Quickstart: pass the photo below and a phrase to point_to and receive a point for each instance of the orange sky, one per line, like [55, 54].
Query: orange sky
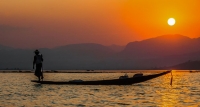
[50, 23]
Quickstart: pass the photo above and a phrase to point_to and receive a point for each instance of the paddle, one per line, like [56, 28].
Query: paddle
[171, 78]
[42, 69]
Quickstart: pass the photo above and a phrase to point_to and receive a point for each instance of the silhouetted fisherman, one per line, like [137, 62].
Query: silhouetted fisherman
[38, 59]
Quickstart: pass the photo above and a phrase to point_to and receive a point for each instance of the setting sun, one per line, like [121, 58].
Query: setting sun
[171, 21]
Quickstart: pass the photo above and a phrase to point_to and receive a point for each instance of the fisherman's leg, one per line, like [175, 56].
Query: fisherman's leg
[37, 71]
[41, 73]
[38, 78]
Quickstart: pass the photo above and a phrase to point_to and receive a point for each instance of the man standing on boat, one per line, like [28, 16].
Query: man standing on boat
[38, 59]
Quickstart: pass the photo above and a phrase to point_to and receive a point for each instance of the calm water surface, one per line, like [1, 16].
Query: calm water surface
[17, 90]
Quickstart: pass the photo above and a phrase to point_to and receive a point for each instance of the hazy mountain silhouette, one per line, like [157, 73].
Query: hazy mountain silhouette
[166, 50]
[160, 51]
[78, 56]
[162, 46]
[85, 50]
[2, 47]
[16, 59]
[189, 65]
[116, 48]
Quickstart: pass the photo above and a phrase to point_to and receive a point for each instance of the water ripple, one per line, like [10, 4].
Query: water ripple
[16, 90]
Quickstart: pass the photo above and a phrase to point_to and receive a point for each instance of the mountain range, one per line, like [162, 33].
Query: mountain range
[158, 52]
[188, 65]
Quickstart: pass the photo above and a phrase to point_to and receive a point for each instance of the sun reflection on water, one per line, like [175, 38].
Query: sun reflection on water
[17, 90]
[180, 92]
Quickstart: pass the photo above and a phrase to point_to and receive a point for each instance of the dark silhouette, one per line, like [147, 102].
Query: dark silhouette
[154, 53]
[171, 78]
[190, 65]
[123, 81]
[38, 59]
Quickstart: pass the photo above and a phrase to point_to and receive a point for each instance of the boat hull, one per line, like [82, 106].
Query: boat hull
[127, 81]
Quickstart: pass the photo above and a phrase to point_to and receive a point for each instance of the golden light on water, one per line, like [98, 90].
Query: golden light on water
[156, 92]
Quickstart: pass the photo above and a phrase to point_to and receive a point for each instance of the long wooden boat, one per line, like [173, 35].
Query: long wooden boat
[127, 81]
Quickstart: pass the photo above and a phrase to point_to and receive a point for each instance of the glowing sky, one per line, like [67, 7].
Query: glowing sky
[50, 23]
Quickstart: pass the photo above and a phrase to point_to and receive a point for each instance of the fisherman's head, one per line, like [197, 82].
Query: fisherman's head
[36, 52]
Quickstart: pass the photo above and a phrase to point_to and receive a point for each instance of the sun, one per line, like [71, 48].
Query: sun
[171, 21]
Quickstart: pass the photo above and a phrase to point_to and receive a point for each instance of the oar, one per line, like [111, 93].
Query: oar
[171, 78]
[42, 69]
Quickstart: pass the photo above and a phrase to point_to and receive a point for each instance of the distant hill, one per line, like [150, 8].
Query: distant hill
[189, 65]
[86, 49]
[166, 50]
[116, 48]
[158, 52]
[16, 59]
[162, 46]
[78, 56]
[74, 56]
[2, 47]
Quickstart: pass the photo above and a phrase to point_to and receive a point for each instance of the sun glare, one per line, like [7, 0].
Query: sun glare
[171, 21]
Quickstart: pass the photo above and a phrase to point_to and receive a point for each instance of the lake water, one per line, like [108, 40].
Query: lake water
[17, 90]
